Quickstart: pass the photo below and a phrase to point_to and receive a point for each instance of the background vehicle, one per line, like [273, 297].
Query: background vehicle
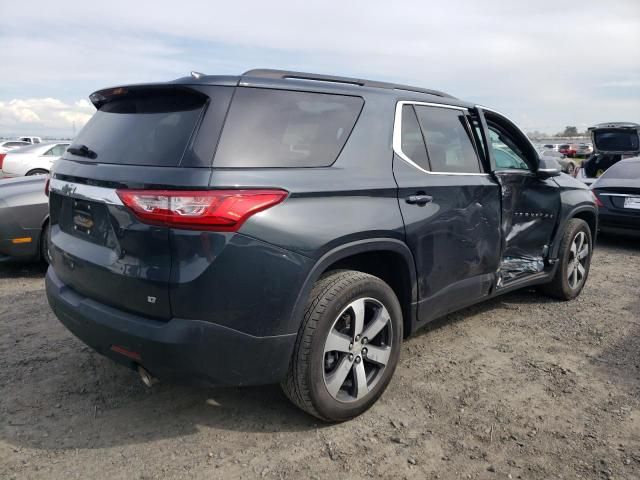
[8, 145]
[618, 197]
[568, 165]
[24, 212]
[612, 142]
[583, 150]
[277, 236]
[567, 150]
[31, 140]
[32, 160]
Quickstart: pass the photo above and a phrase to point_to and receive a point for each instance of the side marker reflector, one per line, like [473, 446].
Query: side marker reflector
[21, 240]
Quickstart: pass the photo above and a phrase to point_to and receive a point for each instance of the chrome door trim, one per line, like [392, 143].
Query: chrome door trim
[397, 136]
[81, 191]
[605, 194]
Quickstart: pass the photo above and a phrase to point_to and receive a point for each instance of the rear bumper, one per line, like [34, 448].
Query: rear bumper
[611, 221]
[179, 349]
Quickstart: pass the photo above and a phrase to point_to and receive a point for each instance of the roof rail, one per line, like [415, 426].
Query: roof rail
[286, 74]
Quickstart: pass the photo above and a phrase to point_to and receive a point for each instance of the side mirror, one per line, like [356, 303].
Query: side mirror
[548, 167]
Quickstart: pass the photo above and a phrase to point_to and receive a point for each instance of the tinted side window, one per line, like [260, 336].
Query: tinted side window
[281, 128]
[448, 142]
[412, 142]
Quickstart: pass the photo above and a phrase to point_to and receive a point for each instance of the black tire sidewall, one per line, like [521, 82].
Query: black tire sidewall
[327, 406]
[576, 227]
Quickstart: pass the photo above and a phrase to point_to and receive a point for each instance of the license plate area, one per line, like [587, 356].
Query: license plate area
[632, 203]
[86, 220]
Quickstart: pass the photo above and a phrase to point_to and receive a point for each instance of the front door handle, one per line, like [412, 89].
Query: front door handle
[419, 199]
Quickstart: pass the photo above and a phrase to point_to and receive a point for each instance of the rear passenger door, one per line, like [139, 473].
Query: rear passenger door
[450, 205]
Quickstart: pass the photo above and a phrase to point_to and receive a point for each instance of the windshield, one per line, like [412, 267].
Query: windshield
[151, 129]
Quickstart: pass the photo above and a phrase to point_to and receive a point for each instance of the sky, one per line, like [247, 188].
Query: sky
[545, 64]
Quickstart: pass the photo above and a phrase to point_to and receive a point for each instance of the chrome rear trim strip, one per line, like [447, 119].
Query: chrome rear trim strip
[85, 192]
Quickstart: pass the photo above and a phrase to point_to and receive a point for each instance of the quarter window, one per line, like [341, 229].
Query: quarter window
[448, 141]
[281, 128]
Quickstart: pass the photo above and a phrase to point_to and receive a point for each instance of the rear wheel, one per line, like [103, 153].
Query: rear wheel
[37, 171]
[574, 262]
[348, 346]
[45, 255]
[571, 168]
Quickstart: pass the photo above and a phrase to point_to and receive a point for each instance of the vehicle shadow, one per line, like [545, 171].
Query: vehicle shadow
[15, 269]
[626, 243]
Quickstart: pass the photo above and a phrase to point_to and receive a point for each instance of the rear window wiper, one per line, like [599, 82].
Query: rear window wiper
[82, 151]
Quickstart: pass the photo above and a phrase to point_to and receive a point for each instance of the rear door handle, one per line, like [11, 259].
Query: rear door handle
[419, 199]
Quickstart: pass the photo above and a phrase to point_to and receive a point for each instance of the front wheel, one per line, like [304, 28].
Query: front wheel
[347, 348]
[36, 171]
[574, 262]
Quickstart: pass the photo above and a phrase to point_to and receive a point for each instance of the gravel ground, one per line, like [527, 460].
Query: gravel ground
[517, 387]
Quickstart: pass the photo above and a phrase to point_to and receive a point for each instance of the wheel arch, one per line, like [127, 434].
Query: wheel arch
[586, 213]
[387, 258]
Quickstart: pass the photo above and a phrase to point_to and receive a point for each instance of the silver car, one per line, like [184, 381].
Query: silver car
[32, 160]
[568, 164]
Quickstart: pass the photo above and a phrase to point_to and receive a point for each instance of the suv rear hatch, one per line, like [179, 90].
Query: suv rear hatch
[141, 137]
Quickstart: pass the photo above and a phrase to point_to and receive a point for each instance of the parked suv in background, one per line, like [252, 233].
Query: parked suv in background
[288, 227]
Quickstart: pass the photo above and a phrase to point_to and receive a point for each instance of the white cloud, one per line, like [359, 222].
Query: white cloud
[43, 116]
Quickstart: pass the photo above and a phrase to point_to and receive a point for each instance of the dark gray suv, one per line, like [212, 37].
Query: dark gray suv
[289, 227]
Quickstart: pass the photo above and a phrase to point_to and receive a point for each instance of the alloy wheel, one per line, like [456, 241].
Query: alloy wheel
[357, 349]
[577, 262]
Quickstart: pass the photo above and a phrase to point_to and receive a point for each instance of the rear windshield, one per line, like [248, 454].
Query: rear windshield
[281, 128]
[145, 129]
[616, 140]
[628, 170]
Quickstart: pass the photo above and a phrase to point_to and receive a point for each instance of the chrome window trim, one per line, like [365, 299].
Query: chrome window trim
[605, 194]
[397, 136]
[81, 191]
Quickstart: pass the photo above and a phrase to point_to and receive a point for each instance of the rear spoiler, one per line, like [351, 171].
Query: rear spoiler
[102, 97]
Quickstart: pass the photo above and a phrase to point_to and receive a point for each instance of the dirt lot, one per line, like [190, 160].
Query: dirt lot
[519, 387]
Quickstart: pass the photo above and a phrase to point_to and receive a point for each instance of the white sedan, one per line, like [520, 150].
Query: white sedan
[11, 145]
[32, 160]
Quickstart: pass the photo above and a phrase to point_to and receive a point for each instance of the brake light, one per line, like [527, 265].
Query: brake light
[46, 185]
[222, 210]
[597, 200]
[2, 155]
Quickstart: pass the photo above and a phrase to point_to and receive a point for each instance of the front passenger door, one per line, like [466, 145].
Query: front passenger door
[530, 204]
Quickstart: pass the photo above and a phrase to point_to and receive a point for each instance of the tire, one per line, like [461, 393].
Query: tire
[44, 243]
[313, 382]
[570, 168]
[36, 171]
[565, 286]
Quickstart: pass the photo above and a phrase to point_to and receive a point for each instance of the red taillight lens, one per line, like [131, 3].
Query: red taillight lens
[597, 200]
[2, 155]
[223, 210]
[46, 185]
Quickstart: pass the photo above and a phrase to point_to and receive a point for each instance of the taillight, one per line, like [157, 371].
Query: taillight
[596, 199]
[46, 185]
[2, 155]
[222, 210]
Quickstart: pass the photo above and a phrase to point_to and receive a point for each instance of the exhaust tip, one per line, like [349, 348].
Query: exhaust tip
[148, 379]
